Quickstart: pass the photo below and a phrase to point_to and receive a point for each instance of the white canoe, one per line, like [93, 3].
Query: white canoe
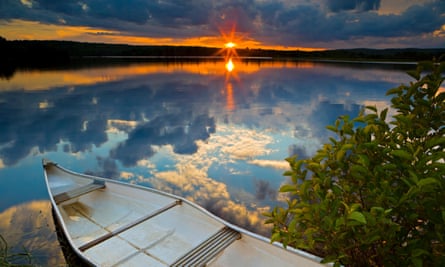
[110, 223]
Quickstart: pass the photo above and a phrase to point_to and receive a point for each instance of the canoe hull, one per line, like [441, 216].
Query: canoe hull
[110, 223]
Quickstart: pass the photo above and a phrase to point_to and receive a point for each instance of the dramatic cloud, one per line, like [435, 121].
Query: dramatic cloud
[358, 5]
[309, 23]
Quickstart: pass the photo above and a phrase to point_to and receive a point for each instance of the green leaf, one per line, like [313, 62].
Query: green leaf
[340, 222]
[415, 74]
[413, 176]
[288, 173]
[293, 225]
[328, 259]
[275, 237]
[355, 206]
[402, 154]
[331, 128]
[347, 146]
[373, 108]
[425, 65]
[364, 160]
[333, 141]
[417, 262]
[371, 117]
[357, 216]
[313, 166]
[377, 210]
[383, 114]
[394, 91]
[359, 169]
[435, 142]
[427, 181]
[288, 188]
[340, 154]
[419, 252]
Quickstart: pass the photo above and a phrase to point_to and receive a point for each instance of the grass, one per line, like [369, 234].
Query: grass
[9, 258]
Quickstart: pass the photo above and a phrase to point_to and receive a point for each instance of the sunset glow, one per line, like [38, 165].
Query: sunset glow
[18, 29]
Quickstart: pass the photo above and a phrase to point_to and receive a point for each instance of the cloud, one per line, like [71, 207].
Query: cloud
[263, 189]
[27, 3]
[66, 124]
[193, 183]
[288, 23]
[415, 21]
[276, 164]
[357, 5]
[181, 130]
[108, 168]
[299, 151]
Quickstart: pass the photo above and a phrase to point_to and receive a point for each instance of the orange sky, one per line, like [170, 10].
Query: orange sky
[31, 30]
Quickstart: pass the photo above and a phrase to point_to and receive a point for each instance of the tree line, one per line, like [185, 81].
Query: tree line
[20, 52]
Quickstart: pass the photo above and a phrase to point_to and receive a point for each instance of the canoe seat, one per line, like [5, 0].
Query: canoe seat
[207, 250]
[78, 191]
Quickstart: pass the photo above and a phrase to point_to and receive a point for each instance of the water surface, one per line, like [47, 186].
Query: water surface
[194, 129]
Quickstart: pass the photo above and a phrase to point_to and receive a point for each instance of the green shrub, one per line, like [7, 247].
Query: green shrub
[375, 195]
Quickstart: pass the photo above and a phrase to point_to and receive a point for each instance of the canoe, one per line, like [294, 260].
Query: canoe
[111, 223]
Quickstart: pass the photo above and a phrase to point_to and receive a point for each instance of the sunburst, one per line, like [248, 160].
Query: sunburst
[230, 41]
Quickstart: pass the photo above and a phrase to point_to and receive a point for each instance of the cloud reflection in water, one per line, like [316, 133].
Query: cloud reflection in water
[184, 128]
[30, 226]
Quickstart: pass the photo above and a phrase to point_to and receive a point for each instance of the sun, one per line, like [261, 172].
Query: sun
[230, 51]
[230, 45]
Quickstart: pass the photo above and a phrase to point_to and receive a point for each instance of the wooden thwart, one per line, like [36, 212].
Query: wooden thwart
[206, 251]
[77, 192]
[119, 230]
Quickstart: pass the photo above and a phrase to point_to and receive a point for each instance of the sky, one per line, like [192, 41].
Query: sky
[275, 24]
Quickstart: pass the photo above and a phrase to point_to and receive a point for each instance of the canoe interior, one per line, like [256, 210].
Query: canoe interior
[110, 224]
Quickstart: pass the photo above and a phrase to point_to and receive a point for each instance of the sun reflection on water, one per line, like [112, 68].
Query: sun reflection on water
[230, 101]
[229, 65]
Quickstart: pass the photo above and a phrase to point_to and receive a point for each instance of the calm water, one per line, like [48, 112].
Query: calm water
[194, 129]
